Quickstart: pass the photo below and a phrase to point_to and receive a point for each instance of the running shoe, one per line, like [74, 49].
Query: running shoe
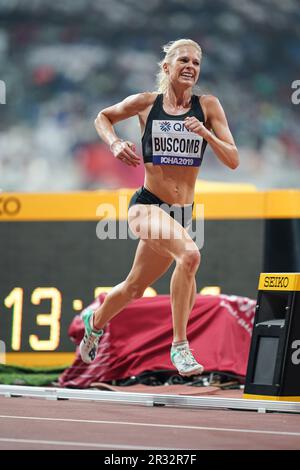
[89, 344]
[184, 361]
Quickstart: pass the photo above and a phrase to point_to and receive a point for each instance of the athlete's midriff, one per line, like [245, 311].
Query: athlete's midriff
[173, 185]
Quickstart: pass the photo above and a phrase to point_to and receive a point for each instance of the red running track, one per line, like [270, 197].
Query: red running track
[31, 423]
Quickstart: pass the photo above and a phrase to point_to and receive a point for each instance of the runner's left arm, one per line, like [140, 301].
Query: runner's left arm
[219, 137]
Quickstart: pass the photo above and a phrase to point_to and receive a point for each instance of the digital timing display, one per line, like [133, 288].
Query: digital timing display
[42, 311]
[53, 264]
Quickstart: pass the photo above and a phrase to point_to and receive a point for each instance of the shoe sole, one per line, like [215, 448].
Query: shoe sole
[197, 371]
[83, 314]
[86, 362]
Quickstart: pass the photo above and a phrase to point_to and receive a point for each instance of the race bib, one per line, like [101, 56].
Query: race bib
[173, 144]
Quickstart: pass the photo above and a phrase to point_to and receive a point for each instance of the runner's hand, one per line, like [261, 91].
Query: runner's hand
[194, 125]
[124, 150]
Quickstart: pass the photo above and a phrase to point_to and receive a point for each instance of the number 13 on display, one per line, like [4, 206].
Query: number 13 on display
[52, 319]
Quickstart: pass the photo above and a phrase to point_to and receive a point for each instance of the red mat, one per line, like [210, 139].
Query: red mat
[139, 339]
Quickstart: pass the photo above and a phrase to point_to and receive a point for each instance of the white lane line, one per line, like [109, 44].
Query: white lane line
[81, 444]
[171, 426]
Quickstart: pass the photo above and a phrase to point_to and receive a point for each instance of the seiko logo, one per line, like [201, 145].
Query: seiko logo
[276, 281]
[9, 206]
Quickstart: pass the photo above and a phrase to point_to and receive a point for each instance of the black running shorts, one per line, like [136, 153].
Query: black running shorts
[182, 214]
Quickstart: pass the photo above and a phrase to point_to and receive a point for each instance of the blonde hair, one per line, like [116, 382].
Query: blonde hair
[169, 49]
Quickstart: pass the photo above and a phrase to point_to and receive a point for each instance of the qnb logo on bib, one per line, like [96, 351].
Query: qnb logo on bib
[165, 126]
[173, 144]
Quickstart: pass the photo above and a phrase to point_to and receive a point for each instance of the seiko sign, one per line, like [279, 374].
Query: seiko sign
[276, 281]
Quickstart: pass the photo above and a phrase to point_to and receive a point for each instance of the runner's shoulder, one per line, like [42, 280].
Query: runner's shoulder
[208, 100]
[210, 105]
[144, 99]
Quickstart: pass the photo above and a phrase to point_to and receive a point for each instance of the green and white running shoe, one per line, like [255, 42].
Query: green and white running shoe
[89, 344]
[184, 361]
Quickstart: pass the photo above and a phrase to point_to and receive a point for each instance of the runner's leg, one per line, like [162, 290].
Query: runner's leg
[172, 240]
[148, 266]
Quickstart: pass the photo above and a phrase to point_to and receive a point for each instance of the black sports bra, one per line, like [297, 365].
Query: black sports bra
[166, 141]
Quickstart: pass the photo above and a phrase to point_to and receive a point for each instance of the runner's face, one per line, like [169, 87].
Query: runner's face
[184, 68]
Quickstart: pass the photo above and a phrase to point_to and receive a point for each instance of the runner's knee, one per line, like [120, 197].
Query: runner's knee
[189, 261]
[133, 289]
